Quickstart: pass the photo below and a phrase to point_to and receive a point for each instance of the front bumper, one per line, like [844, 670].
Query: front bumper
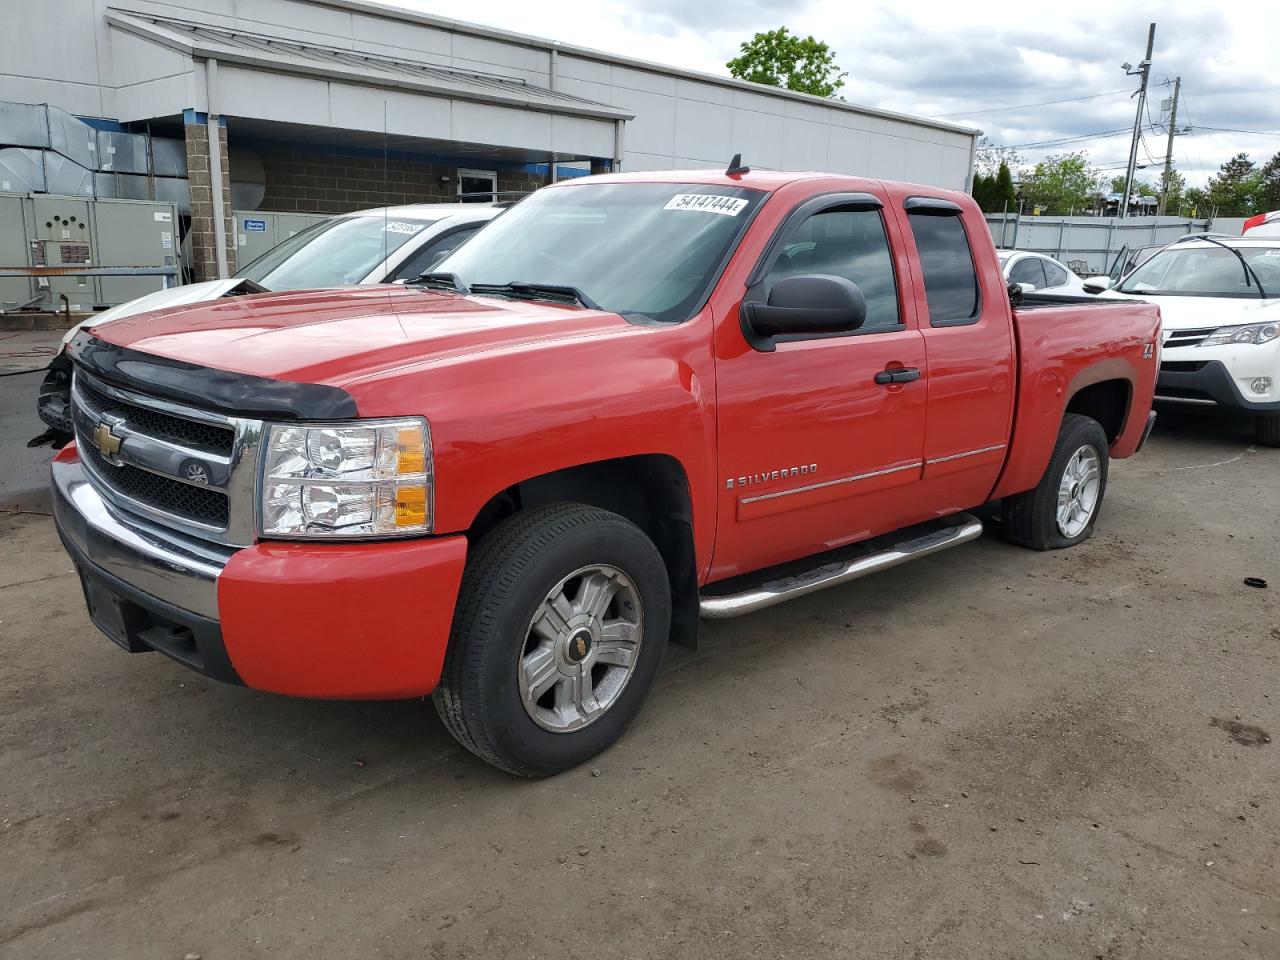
[1207, 385]
[343, 621]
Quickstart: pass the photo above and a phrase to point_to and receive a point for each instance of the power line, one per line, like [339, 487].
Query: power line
[1102, 135]
[1193, 156]
[1025, 106]
[1256, 133]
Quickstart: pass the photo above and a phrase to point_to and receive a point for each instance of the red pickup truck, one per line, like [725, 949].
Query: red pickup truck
[630, 401]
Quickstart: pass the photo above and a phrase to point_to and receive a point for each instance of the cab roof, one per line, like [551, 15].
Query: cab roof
[766, 180]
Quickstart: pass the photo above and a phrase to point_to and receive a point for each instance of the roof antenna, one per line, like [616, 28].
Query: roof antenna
[736, 169]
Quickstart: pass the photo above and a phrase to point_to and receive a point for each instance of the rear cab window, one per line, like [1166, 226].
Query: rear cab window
[946, 260]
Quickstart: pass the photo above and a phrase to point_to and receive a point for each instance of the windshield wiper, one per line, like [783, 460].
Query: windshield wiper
[439, 281]
[1248, 270]
[524, 290]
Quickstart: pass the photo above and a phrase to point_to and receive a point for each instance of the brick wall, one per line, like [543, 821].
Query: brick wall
[204, 247]
[318, 182]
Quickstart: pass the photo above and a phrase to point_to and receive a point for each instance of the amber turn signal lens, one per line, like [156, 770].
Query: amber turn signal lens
[411, 506]
[411, 454]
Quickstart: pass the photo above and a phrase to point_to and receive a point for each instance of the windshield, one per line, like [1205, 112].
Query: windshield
[338, 252]
[648, 249]
[1205, 270]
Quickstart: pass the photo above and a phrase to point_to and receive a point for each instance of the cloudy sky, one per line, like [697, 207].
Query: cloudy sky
[953, 61]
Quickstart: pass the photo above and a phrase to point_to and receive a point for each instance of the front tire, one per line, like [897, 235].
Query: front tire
[1063, 508]
[1266, 430]
[562, 618]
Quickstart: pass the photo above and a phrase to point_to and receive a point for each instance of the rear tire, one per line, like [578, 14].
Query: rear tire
[1266, 430]
[562, 618]
[1062, 509]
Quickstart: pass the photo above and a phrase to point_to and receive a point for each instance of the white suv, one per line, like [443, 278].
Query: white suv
[1218, 299]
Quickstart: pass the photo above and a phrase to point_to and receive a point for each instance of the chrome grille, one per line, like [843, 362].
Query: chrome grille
[181, 467]
[1186, 338]
[188, 432]
[172, 496]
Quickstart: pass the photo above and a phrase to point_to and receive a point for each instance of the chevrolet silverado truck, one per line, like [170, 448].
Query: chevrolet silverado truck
[631, 401]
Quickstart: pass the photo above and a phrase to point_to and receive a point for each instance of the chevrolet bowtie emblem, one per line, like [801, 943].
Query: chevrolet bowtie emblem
[582, 648]
[106, 441]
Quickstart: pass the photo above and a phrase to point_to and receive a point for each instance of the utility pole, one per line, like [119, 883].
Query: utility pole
[1168, 152]
[1144, 71]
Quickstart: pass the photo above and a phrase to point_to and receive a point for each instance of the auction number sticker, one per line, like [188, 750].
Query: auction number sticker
[399, 226]
[707, 203]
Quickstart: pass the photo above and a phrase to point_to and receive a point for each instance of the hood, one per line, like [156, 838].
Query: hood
[172, 297]
[1190, 313]
[337, 336]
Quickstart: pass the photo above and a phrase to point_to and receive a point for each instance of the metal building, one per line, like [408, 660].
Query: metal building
[342, 104]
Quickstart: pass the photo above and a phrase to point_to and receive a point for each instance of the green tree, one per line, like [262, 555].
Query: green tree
[1270, 199]
[1140, 187]
[1171, 192]
[1238, 190]
[982, 191]
[1195, 203]
[778, 58]
[1061, 183]
[1003, 195]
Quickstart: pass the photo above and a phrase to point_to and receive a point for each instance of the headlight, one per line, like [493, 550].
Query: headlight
[367, 479]
[1252, 333]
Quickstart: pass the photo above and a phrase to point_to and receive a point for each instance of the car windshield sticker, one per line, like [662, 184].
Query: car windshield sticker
[707, 203]
[1271, 253]
[399, 226]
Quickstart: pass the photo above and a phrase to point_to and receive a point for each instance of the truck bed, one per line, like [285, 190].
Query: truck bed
[1066, 344]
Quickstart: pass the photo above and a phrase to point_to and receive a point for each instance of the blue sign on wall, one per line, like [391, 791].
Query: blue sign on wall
[255, 226]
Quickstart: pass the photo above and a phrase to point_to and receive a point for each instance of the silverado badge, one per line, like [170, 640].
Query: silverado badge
[107, 442]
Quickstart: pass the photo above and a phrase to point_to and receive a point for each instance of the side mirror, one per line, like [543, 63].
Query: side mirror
[1027, 287]
[1097, 284]
[809, 304]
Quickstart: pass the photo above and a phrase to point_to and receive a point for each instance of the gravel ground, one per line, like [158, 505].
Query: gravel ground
[991, 753]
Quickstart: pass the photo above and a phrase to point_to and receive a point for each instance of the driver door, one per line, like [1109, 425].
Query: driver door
[814, 452]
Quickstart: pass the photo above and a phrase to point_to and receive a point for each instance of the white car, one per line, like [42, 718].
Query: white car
[1042, 274]
[1218, 299]
[382, 245]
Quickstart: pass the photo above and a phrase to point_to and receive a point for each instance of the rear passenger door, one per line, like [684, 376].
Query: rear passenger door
[814, 452]
[967, 327]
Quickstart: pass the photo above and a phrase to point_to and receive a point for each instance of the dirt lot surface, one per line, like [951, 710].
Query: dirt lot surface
[990, 753]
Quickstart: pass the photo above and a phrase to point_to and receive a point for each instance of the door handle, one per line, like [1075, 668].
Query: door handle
[898, 375]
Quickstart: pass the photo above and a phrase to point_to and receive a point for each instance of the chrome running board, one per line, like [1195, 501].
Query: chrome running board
[959, 528]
